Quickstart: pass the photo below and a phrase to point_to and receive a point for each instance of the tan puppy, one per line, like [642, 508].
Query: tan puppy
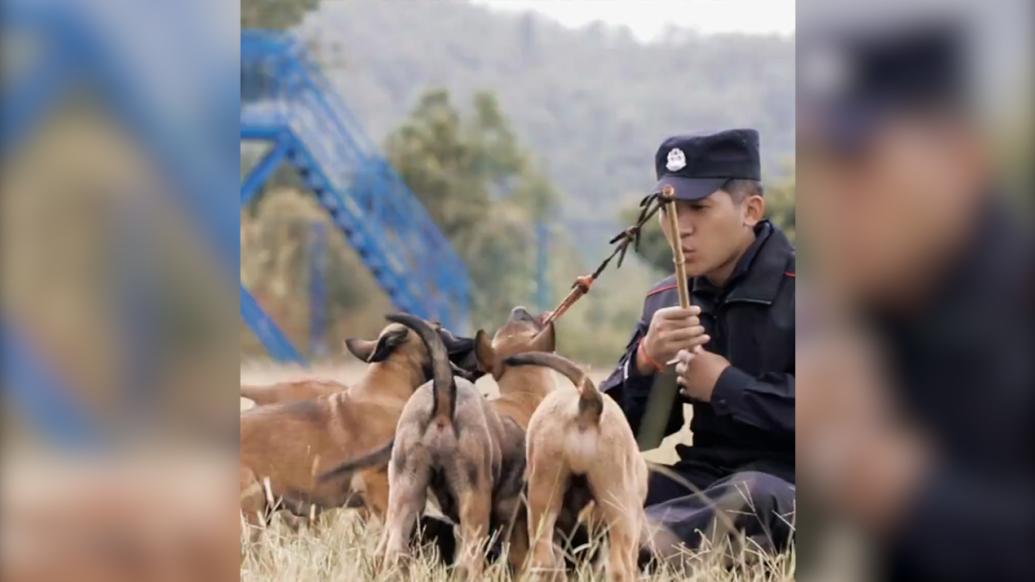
[291, 391]
[469, 452]
[283, 446]
[580, 439]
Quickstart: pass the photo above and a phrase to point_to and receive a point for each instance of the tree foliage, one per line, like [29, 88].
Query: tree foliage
[275, 14]
[482, 188]
[592, 103]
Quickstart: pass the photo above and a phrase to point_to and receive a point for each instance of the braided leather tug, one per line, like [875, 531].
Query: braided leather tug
[649, 206]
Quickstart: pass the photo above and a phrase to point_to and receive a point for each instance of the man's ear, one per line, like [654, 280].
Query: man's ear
[484, 351]
[360, 348]
[754, 210]
[545, 340]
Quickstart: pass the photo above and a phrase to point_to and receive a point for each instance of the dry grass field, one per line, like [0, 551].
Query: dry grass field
[340, 544]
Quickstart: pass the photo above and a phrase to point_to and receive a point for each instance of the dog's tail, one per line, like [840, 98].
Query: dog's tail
[591, 403]
[442, 384]
[378, 456]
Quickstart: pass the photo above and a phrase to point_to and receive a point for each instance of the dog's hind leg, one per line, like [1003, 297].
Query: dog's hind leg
[475, 506]
[546, 483]
[621, 514]
[406, 497]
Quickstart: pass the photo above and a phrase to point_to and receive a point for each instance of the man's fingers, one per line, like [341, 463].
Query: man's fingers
[669, 325]
[682, 336]
[700, 341]
[677, 312]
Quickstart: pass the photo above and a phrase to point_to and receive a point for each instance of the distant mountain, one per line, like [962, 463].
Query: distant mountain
[593, 103]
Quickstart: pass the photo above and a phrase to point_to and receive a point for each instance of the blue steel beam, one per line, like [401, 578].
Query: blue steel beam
[264, 169]
[317, 290]
[542, 243]
[275, 342]
[26, 100]
[42, 395]
[392, 232]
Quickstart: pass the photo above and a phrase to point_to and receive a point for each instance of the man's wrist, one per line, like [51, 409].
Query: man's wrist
[645, 365]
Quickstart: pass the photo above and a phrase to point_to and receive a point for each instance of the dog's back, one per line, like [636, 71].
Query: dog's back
[291, 391]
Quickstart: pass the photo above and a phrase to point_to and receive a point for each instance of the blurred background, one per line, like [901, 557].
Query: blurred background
[119, 317]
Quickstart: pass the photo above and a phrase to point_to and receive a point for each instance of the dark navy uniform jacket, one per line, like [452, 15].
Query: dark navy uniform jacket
[749, 423]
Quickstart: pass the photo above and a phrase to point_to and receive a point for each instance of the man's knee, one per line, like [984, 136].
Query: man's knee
[763, 491]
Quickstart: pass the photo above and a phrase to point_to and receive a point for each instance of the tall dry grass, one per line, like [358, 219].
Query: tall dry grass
[340, 545]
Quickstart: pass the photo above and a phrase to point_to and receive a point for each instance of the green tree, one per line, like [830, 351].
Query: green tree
[275, 14]
[481, 187]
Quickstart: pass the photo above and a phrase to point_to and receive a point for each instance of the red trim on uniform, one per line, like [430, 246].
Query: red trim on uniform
[660, 289]
[789, 274]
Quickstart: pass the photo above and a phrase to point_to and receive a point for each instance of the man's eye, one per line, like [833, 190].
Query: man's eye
[697, 207]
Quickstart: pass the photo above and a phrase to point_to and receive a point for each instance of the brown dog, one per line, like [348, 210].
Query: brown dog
[310, 388]
[467, 450]
[580, 439]
[283, 446]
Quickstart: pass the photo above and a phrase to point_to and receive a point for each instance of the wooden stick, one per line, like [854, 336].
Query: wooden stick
[663, 393]
[676, 243]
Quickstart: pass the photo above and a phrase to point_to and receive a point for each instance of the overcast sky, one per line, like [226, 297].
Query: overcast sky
[647, 19]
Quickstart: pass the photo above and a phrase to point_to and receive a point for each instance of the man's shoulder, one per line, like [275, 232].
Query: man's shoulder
[666, 284]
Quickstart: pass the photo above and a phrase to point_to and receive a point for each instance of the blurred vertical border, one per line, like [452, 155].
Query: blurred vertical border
[119, 315]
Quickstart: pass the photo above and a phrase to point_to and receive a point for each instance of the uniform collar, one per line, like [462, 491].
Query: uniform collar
[759, 272]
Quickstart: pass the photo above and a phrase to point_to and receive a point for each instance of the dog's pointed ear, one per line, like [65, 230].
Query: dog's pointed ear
[545, 340]
[360, 348]
[484, 351]
[387, 343]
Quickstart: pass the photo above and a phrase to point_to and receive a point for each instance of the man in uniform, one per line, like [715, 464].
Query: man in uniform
[735, 345]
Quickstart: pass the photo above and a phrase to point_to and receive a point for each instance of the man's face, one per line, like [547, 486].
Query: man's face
[879, 217]
[712, 231]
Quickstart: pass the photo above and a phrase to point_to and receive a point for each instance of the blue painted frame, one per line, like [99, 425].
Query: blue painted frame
[287, 102]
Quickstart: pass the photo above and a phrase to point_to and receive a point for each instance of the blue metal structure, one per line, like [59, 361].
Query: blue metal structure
[542, 248]
[317, 290]
[288, 103]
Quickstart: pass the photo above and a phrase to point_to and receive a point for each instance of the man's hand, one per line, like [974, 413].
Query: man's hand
[697, 372]
[854, 448]
[671, 329]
